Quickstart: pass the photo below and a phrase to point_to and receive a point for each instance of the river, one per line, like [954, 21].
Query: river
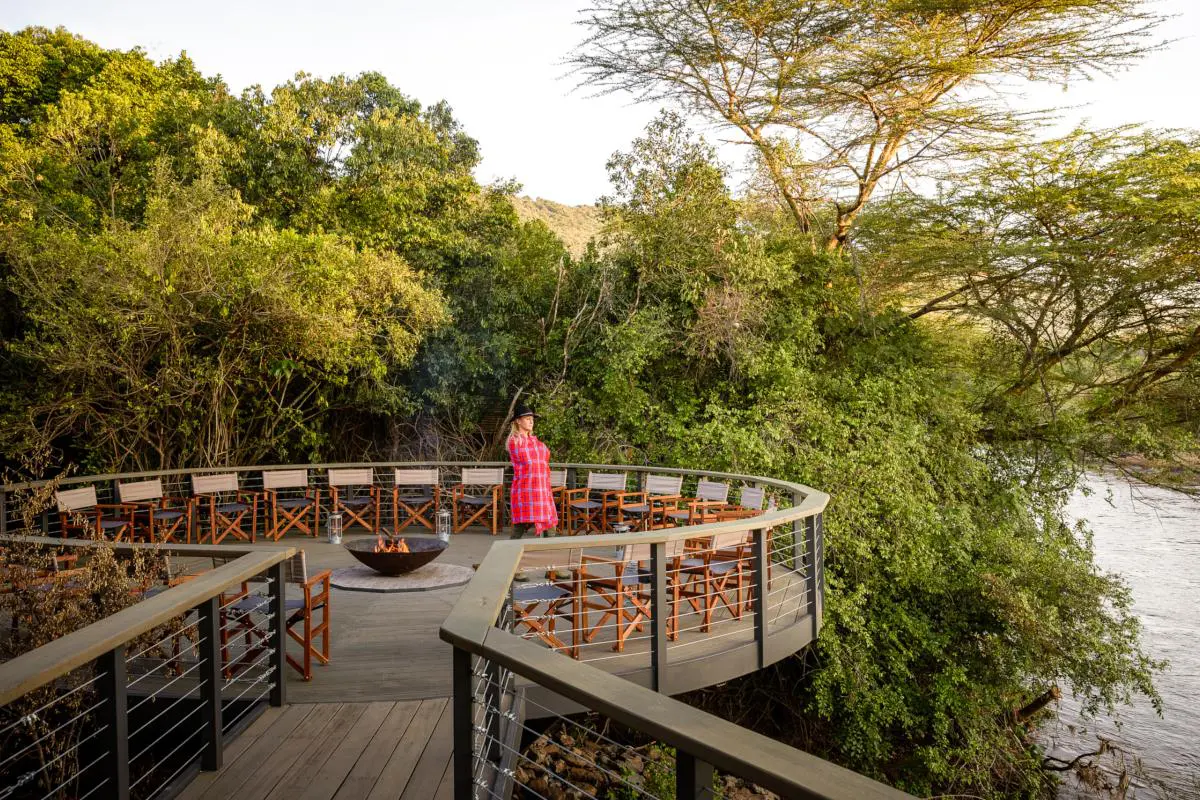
[1152, 537]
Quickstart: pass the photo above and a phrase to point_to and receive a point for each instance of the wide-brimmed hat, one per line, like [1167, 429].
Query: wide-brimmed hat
[522, 410]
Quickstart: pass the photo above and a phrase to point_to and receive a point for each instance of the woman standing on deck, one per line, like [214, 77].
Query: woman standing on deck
[532, 501]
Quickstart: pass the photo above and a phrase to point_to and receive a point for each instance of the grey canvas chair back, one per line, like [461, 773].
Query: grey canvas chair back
[76, 499]
[363, 476]
[482, 476]
[606, 481]
[641, 552]
[215, 484]
[295, 569]
[752, 498]
[416, 477]
[712, 491]
[285, 479]
[558, 477]
[664, 484]
[140, 491]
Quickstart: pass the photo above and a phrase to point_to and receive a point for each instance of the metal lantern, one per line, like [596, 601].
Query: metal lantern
[333, 528]
[443, 525]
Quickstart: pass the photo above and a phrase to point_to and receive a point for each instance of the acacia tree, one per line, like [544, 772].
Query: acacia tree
[837, 97]
[1075, 266]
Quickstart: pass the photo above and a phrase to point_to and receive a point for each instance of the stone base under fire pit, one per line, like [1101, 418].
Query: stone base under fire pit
[423, 579]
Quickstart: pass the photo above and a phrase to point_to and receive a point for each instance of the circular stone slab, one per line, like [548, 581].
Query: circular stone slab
[427, 578]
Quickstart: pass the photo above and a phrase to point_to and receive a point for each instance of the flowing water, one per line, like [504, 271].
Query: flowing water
[1151, 537]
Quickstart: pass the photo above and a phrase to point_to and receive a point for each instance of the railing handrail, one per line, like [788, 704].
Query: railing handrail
[55, 659]
[159, 473]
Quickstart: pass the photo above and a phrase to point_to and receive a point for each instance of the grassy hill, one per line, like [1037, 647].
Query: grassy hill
[575, 225]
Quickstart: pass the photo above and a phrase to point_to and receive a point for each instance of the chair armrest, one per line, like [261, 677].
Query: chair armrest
[630, 498]
[323, 576]
[572, 494]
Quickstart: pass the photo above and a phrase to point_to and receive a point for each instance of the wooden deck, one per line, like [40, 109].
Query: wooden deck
[348, 751]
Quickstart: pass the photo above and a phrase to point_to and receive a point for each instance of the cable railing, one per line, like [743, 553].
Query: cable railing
[627, 619]
[532, 723]
[132, 705]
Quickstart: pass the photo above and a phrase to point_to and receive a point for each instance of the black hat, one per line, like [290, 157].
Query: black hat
[522, 410]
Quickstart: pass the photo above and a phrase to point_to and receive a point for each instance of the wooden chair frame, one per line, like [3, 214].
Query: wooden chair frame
[620, 591]
[711, 498]
[343, 500]
[537, 607]
[491, 479]
[593, 508]
[74, 504]
[166, 517]
[317, 593]
[558, 491]
[291, 512]
[418, 509]
[661, 493]
[229, 517]
[716, 566]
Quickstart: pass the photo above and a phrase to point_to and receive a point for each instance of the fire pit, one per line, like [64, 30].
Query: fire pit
[398, 555]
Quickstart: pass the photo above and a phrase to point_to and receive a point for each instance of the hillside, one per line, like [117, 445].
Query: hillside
[575, 225]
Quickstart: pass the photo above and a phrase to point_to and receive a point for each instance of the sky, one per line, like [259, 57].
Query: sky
[499, 63]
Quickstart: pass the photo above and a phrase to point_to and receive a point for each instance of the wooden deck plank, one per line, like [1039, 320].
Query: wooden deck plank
[446, 787]
[318, 750]
[279, 760]
[225, 782]
[329, 776]
[425, 779]
[266, 720]
[403, 761]
[361, 780]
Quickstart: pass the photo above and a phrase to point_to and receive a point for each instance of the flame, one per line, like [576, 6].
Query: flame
[394, 546]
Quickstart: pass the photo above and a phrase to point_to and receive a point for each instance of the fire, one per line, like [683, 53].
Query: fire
[394, 546]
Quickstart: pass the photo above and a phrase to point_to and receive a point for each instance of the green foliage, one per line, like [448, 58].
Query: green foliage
[198, 337]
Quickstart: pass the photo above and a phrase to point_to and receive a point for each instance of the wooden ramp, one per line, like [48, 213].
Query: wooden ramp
[349, 751]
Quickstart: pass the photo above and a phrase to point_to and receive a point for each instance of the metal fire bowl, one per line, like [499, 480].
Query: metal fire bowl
[421, 552]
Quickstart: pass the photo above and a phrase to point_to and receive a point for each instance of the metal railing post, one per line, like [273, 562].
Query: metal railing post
[659, 611]
[113, 689]
[211, 749]
[464, 755]
[693, 778]
[277, 595]
[810, 574]
[798, 540]
[818, 571]
[759, 555]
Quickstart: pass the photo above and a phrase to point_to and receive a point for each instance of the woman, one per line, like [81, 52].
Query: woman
[532, 501]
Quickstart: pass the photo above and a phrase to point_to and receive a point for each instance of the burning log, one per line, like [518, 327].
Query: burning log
[393, 546]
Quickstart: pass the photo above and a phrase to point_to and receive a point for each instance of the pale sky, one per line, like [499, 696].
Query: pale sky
[499, 65]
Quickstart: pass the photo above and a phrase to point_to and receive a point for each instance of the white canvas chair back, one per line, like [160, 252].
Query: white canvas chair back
[752, 498]
[664, 484]
[558, 477]
[364, 476]
[416, 477]
[285, 479]
[140, 491]
[712, 492]
[482, 476]
[76, 499]
[606, 481]
[215, 484]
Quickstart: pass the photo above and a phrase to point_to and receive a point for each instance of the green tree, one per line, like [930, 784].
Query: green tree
[838, 98]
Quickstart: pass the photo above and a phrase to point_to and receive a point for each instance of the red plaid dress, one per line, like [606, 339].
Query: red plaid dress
[532, 501]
